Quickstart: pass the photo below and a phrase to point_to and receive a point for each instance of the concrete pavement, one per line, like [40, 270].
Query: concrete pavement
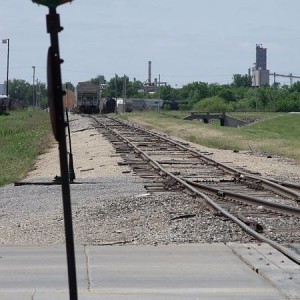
[187, 271]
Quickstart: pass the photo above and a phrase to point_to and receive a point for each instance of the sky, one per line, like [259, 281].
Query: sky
[186, 41]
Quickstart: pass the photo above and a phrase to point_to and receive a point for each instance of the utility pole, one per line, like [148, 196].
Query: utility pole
[33, 87]
[291, 79]
[124, 96]
[158, 92]
[100, 94]
[6, 41]
[116, 93]
[37, 93]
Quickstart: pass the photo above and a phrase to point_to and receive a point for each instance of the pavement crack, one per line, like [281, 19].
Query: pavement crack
[87, 269]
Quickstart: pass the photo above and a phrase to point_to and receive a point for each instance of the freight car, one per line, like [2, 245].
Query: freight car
[154, 104]
[109, 106]
[135, 105]
[88, 98]
[5, 104]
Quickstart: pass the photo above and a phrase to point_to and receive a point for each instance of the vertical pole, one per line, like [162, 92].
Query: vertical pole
[124, 99]
[33, 86]
[100, 95]
[255, 86]
[7, 67]
[38, 94]
[53, 27]
[71, 164]
[159, 93]
[149, 73]
[116, 93]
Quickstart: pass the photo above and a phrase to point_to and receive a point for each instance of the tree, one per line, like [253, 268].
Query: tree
[227, 94]
[165, 92]
[295, 87]
[289, 103]
[99, 79]
[69, 86]
[20, 90]
[264, 95]
[132, 88]
[201, 88]
[214, 89]
[241, 80]
[42, 95]
[114, 87]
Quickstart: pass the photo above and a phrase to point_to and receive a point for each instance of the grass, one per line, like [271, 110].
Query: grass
[272, 133]
[26, 134]
[23, 136]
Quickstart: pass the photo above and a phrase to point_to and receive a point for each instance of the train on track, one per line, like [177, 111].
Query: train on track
[88, 100]
[5, 104]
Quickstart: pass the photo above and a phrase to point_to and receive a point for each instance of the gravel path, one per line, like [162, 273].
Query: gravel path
[110, 205]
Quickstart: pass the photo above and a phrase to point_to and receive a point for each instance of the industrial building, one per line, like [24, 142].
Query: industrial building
[149, 86]
[260, 73]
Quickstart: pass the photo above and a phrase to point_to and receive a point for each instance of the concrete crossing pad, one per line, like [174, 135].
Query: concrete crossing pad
[185, 271]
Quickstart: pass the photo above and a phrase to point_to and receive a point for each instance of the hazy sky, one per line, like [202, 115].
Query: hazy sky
[191, 40]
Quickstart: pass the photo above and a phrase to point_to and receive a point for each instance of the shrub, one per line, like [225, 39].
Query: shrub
[213, 104]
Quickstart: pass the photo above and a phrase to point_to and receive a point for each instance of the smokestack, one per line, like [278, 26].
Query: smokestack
[149, 72]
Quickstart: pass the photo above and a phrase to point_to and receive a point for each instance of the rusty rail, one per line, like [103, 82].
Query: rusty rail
[187, 184]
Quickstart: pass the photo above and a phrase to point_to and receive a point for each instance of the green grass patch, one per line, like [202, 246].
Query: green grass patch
[23, 136]
[272, 133]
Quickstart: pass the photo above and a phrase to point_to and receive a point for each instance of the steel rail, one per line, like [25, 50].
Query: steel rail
[273, 206]
[272, 184]
[287, 252]
[287, 184]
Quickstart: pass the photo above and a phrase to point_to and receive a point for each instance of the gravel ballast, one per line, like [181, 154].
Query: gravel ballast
[110, 205]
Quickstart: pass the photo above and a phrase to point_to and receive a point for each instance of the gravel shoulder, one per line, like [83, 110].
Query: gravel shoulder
[110, 205]
[270, 166]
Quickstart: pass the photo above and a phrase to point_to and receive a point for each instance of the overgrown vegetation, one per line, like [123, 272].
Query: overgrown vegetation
[23, 136]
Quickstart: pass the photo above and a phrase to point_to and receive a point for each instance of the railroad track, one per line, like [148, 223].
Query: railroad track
[266, 209]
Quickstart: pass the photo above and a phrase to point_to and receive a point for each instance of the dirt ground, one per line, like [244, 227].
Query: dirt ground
[94, 156]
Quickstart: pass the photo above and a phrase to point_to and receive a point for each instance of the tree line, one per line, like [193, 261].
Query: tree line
[27, 94]
[236, 96]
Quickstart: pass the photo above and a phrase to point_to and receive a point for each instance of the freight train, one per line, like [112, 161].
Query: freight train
[5, 104]
[87, 98]
[143, 104]
[108, 106]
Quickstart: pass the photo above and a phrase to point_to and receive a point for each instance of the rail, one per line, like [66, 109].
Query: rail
[191, 186]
